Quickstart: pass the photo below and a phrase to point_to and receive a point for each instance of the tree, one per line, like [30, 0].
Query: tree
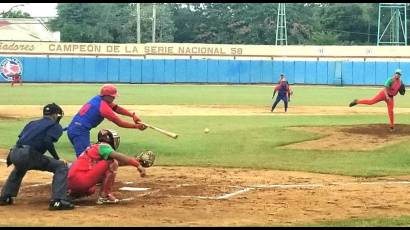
[15, 14]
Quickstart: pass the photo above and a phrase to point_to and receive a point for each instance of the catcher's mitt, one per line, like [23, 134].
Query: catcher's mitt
[146, 158]
[402, 89]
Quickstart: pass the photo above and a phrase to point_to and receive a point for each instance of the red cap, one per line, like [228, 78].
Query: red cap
[108, 90]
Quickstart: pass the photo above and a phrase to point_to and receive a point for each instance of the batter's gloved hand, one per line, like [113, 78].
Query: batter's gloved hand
[136, 118]
[140, 126]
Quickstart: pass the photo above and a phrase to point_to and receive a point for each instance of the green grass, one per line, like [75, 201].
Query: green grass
[403, 221]
[233, 141]
[76, 94]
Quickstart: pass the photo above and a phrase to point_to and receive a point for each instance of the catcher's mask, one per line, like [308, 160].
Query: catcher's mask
[53, 108]
[109, 136]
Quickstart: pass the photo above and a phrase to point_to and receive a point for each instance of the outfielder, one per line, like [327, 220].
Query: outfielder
[99, 164]
[392, 85]
[284, 93]
[93, 113]
[35, 139]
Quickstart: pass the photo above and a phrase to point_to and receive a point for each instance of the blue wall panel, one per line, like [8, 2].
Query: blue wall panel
[255, 71]
[331, 72]
[42, 69]
[196, 71]
[169, 73]
[233, 72]
[66, 69]
[300, 72]
[223, 71]
[391, 67]
[101, 69]
[321, 70]
[136, 71]
[202, 71]
[181, 70]
[266, 72]
[90, 70]
[381, 72]
[212, 73]
[311, 72]
[347, 73]
[244, 71]
[278, 68]
[78, 70]
[358, 73]
[113, 70]
[125, 70]
[405, 68]
[29, 69]
[54, 67]
[158, 71]
[147, 74]
[289, 71]
[370, 73]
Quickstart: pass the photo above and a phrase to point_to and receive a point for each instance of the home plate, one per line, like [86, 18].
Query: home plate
[133, 189]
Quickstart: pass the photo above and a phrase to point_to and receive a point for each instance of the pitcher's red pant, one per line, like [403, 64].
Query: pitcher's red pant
[83, 183]
[381, 96]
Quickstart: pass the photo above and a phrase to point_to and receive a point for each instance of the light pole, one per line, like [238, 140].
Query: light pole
[139, 22]
[153, 21]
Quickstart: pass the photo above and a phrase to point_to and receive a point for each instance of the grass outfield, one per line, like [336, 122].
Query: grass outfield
[234, 141]
[77, 94]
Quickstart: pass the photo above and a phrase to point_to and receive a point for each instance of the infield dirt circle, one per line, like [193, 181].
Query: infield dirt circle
[208, 196]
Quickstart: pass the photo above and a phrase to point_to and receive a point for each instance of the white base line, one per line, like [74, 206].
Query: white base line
[290, 186]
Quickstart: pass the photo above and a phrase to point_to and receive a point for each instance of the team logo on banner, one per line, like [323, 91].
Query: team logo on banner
[10, 67]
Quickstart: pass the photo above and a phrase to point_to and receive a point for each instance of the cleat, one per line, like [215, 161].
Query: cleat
[6, 200]
[391, 129]
[353, 103]
[109, 199]
[60, 205]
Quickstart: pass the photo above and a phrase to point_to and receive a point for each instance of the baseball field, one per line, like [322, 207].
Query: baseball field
[320, 164]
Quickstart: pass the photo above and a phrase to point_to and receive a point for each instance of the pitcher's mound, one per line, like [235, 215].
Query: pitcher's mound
[354, 138]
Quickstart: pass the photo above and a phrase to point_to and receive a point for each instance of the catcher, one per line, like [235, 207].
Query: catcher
[99, 164]
[392, 86]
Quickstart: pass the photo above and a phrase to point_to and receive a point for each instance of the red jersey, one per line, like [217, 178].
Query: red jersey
[90, 157]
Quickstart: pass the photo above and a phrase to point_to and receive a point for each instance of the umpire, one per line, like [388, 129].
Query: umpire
[28, 154]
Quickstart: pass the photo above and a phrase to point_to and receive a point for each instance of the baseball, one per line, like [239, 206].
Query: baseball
[206, 130]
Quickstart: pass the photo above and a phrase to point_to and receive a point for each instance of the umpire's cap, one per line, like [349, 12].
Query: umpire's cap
[53, 108]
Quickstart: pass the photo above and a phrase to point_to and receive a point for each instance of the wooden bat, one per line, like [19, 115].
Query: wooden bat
[165, 132]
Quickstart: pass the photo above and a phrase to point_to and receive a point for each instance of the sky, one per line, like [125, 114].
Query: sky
[34, 9]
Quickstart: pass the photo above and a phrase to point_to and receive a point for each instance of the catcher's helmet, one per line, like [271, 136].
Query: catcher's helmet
[53, 108]
[109, 136]
[108, 90]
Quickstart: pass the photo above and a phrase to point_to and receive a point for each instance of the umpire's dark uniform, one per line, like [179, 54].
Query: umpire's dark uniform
[28, 154]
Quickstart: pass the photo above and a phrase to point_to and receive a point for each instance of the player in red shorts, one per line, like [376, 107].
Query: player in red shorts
[391, 87]
[16, 79]
[99, 164]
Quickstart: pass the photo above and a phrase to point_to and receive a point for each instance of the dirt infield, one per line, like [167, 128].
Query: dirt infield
[24, 111]
[190, 196]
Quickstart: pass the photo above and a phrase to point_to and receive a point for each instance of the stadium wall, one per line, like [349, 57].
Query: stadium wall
[127, 70]
[206, 63]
